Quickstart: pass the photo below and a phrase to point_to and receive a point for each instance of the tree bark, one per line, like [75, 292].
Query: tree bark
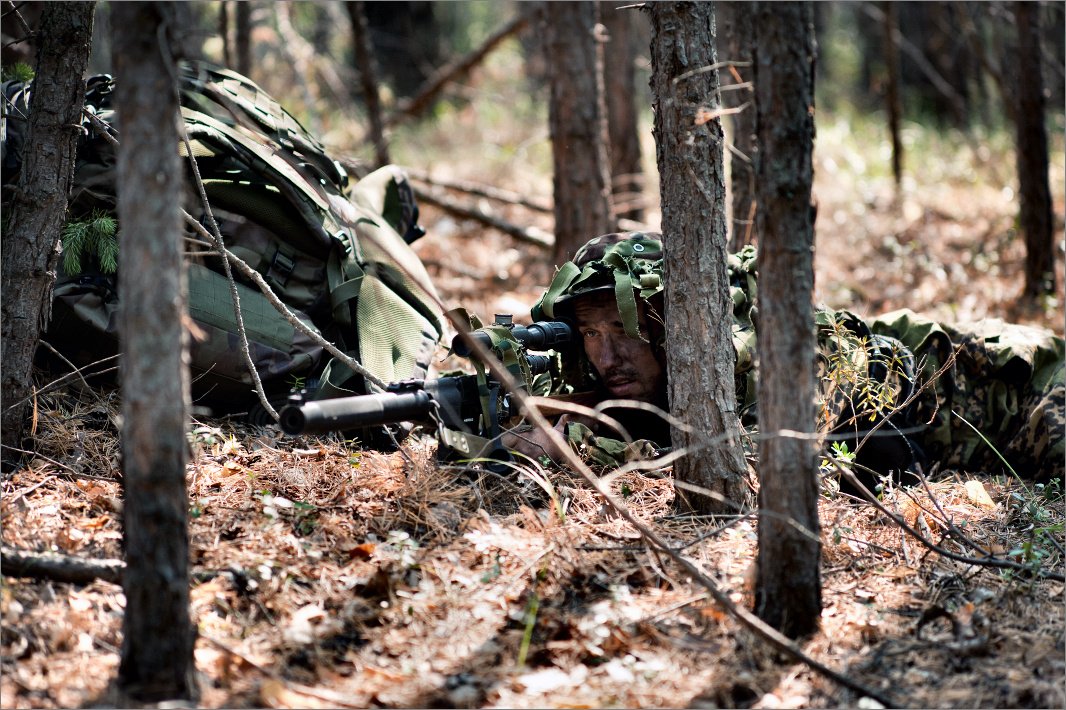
[788, 588]
[364, 59]
[1032, 151]
[578, 121]
[30, 241]
[59, 568]
[739, 30]
[158, 637]
[243, 37]
[223, 33]
[699, 345]
[627, 174]
[892, 100]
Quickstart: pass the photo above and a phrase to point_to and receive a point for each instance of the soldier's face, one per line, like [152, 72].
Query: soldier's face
[627, 366]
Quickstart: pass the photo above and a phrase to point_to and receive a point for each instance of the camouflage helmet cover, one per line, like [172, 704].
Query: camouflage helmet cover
[627, 264]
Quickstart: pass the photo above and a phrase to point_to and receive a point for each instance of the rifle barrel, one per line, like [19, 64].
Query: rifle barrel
[343, 413]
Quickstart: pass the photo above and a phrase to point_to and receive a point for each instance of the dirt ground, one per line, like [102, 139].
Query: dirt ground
[329, 576]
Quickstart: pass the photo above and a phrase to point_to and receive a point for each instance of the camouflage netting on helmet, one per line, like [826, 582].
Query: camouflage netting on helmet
[629, 265]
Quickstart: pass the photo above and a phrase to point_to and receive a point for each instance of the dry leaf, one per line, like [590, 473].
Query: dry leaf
[363, 551]
[896, 572]
[275, 694]
[94, 523]
[975, 491]
[382, 673]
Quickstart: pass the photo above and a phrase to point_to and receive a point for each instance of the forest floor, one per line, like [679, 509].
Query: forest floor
[331, 576]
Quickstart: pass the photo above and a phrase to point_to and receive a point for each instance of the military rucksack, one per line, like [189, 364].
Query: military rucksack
[337, 255]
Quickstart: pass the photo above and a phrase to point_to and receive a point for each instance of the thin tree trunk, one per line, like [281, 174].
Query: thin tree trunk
[740, 35]
[627, 174]
[699, 345]
[892, 100]
[578, 121]
[1032, 150]
[243, 38]
[158, 636]
[30, 240]
[223, 33]
[788, 587]
[364, 58]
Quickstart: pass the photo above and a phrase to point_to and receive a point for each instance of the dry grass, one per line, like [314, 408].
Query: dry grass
[388, 580]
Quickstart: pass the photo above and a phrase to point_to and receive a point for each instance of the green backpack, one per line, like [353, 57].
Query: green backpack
[338, 256]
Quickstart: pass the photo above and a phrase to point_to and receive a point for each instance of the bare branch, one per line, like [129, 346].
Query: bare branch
[530, 235]
[452, 71]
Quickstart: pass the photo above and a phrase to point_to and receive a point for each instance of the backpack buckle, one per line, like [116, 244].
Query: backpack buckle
[281, 268]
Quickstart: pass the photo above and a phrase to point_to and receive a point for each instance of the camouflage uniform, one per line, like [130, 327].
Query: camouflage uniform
[1005, 380]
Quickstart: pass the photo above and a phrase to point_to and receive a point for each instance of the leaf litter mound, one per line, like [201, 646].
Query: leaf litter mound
[325, 575]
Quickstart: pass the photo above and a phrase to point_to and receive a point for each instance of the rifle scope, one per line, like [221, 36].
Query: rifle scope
[542, 335]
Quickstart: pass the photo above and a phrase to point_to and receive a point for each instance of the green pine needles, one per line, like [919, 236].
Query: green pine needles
[93, 237]
[19, 71]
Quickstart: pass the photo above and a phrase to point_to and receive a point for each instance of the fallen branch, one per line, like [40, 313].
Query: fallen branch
[530, 235]
[433, 86]
[989, 561]
[505, 196]
[479, 190]
[56, 567]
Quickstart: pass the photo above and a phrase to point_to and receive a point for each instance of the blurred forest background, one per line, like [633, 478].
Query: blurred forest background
[944, 241]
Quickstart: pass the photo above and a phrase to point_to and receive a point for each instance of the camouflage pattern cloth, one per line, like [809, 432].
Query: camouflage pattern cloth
[337, 255]
[1000, 393]
[930, 381]
[629, 266]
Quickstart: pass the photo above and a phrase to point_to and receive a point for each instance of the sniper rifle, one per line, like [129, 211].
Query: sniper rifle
[469, 412]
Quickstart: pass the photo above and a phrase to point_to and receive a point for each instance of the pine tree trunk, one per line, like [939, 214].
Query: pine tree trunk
[892, 100]
[364, 59]
[739, 30]
[223, 33]
[31, 235]
[158, 636]
[578, 121]
[1032, 150]
[699, 344]
[243, 37]
[788, 588]
[627, 174]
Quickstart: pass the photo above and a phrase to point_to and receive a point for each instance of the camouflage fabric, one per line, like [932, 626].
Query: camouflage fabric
[605, 451]
[627, 264]
[337, 255]
[999, 392]
[929, 381]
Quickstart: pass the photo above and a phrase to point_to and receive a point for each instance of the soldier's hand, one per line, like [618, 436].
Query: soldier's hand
[535, 443]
